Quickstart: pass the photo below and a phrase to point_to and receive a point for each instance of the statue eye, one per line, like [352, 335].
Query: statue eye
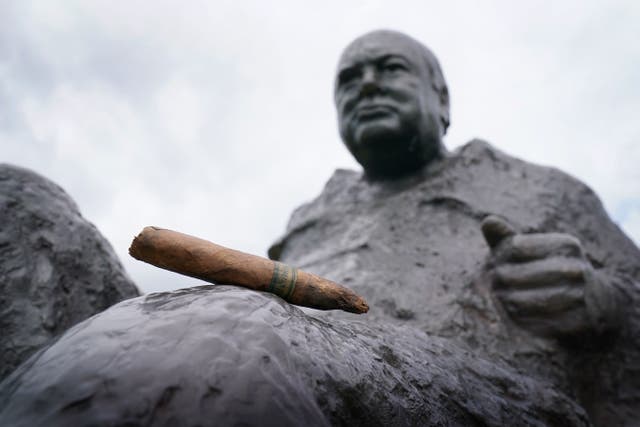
[395, 66]
[347, 76]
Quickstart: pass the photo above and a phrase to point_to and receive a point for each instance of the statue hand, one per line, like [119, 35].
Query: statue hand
[545, 282]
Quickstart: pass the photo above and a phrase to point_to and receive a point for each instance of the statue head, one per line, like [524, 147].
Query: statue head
[392, 102]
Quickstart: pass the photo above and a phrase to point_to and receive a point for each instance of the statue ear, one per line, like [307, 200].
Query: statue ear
[443, 94]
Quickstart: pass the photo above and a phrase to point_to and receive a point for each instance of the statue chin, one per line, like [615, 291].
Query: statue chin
[383, 133]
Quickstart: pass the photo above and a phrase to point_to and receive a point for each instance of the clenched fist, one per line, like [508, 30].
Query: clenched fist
[545, 282]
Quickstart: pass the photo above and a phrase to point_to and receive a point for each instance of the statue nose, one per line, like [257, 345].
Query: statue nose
[369, 82]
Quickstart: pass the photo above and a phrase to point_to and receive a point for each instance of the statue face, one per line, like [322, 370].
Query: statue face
[388, 110]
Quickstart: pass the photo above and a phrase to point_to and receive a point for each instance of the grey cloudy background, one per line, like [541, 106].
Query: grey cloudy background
[216, 118]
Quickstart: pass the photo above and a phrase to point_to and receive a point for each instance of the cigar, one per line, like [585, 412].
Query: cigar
[195, 257]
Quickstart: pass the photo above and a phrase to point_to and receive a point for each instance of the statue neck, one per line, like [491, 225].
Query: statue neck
[417, 171]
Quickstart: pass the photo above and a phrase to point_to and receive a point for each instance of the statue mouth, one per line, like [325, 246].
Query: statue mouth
[373, 111]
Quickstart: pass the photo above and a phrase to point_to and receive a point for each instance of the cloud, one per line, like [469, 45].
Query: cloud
[216, 118]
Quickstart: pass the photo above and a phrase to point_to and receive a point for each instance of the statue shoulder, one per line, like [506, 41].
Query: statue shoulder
[542, 199]
[334, 194]
[481, 158]
[478, 151]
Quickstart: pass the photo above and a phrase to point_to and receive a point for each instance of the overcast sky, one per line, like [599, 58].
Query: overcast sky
[215, 118]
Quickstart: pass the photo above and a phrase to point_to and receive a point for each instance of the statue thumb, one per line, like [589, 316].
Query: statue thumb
[496, 229]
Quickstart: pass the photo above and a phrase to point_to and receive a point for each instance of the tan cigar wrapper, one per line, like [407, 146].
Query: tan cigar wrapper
[205, 260]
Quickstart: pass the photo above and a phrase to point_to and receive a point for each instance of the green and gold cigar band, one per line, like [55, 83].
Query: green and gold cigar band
[283, 280]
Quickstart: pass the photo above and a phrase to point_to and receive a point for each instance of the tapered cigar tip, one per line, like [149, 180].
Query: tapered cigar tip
[361, 306]
[357, 305]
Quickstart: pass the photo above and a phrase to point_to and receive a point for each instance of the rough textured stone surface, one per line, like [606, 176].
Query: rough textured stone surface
[55, 267]
[414, 249]
[219, 355]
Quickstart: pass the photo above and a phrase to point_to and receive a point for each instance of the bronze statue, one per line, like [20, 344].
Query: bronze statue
[517, 260]
[393, 110]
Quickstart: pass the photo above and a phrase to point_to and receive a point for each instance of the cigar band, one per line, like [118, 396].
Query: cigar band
[283, 280]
